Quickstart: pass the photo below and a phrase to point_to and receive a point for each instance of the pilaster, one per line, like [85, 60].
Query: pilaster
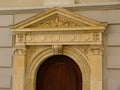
[19, 67]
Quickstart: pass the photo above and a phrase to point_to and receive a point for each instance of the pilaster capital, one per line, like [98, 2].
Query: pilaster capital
[96, 50]
[20, 50]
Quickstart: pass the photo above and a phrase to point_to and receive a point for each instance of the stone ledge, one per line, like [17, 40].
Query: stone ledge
[75, 7]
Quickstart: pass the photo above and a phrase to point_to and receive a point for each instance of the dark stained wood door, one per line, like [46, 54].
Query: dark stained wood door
[59, 73]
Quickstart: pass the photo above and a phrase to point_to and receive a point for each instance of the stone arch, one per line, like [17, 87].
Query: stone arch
[40, 56]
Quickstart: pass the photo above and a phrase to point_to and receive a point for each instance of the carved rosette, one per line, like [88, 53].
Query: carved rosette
[96, 36]
[20, 38]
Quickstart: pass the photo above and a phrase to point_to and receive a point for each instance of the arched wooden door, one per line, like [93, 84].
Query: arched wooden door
[59, 73]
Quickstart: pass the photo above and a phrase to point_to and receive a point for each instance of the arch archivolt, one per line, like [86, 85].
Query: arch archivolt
[41, 56]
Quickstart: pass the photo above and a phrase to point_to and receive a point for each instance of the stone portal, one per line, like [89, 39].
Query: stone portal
[58, 32]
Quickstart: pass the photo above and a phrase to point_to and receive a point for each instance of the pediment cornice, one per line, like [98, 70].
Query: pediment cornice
[57, 19]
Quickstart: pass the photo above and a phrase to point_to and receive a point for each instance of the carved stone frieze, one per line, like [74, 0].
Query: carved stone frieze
[63, 38]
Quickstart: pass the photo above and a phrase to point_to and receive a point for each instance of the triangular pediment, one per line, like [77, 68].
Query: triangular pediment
[57, 19]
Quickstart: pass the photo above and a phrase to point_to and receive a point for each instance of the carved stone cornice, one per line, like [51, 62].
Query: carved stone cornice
[57, 18]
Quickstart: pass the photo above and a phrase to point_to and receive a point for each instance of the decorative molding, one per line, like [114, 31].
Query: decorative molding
[57, 18]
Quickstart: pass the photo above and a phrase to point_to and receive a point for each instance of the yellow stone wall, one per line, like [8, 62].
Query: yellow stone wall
[11, 3]
[97, 0]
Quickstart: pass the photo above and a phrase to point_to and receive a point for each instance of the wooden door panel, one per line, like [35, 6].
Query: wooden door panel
[59, 73]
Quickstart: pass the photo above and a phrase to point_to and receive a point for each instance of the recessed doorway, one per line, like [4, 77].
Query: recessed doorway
[59, 72]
